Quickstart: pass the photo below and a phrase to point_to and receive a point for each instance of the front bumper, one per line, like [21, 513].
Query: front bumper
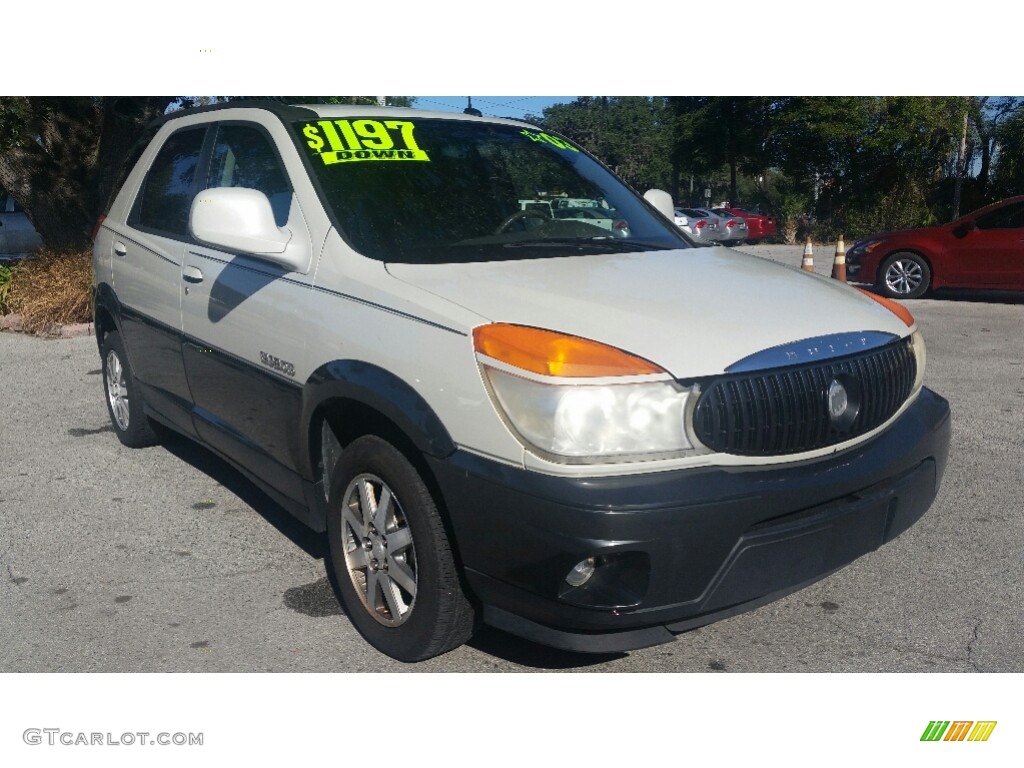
[680, 549]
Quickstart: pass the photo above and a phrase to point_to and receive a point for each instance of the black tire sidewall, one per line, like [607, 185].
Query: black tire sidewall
[139, 432]
[926, 276]
[415, 638]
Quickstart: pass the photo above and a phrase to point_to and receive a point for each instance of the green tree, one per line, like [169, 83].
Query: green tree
[734, 132]
[630, 134]
[60, 157]
[1008, 163]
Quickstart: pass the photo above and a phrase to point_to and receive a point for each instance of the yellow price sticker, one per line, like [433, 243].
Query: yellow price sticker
[547, 138]
[346, 141]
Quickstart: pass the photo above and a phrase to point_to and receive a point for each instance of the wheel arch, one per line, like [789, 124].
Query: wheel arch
[357, 398]
[106, 311]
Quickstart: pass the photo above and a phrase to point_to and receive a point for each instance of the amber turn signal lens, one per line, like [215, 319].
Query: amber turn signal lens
[555, 354]
[897, 309]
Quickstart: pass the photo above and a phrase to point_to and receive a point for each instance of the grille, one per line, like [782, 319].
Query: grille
[786, 410]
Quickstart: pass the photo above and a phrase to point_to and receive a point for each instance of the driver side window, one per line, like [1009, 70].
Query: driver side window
[1010, 217]
[243, 157]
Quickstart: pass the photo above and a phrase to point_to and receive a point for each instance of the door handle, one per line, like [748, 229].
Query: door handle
[192, 274]
[120, 250]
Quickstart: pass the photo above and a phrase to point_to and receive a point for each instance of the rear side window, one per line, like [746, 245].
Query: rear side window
[166, 198]
[129, 163]
[243, 157]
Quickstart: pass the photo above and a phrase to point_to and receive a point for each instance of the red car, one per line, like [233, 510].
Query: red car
[759, 226]
[984, 249]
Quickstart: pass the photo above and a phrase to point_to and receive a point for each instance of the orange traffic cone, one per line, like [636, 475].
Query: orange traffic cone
[839, 265]
[808, 265]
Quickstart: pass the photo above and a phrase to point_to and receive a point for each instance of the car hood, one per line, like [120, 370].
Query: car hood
[916, 231]
[694, 312]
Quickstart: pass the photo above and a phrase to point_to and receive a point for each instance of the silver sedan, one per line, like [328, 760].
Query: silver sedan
[698, 225]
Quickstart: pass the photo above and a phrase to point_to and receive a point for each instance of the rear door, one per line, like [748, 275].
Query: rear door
[146, 268]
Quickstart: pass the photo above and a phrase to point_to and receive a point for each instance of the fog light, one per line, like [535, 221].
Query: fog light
[581, 573]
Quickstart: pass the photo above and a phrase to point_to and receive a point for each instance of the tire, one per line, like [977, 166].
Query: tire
[124, 401]
[753, 242]
[395, 575]
[904, 275]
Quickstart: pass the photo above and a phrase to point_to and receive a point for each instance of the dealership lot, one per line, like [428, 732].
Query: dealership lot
[166, 559]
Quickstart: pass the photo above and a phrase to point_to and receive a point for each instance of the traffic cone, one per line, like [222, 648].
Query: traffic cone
[808, 265]
[839, 265]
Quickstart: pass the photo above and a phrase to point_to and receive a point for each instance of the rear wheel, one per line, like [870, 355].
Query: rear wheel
[124, 402]
[391, 559]
[904, 275]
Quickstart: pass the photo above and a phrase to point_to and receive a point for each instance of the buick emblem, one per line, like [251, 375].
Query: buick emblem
[838, 401]
[844, 395]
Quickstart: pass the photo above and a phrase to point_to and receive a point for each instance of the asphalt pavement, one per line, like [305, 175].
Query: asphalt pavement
[166, 559]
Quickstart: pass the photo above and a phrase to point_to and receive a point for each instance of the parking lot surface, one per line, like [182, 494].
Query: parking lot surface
[166, 559]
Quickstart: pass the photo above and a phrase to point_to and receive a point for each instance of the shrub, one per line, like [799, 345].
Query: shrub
[51, 289]
[6, 276]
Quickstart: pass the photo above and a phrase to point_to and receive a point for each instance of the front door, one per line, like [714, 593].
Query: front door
[242, 322]
[993, 252]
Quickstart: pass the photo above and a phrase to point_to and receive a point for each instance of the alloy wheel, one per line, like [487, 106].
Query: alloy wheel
[904, 276]
[379, 552]
[117, 390]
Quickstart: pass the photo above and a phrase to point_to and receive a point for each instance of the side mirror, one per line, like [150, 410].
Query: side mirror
[241, 219]
[960, 231]
[661, 200]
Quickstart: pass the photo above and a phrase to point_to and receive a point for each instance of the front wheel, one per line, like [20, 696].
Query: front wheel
[904, 275]
[390, 555]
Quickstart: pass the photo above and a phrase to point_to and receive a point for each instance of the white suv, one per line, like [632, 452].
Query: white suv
[593, 440]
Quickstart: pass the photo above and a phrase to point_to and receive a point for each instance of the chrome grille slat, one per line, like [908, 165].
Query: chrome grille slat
[785, 410]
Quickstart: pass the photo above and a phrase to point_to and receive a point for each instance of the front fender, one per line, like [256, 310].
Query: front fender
[376, 388]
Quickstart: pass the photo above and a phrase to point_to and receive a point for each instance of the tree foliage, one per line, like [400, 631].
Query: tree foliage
[845, 164]
[60, 157]
[841, 164]
[628, 133]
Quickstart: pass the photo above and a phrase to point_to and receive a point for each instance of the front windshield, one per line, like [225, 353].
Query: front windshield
[436, 191]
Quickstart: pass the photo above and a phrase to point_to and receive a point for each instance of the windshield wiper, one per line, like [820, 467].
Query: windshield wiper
[601, 243]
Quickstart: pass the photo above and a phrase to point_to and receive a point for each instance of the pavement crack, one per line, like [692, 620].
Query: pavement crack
[873, 643]
[15, 580]
[970, 646]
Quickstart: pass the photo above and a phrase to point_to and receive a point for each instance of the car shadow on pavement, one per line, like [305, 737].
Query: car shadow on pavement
[527, 654]
[982, 297]
[959, 294]
[488, 640]
[211, 465]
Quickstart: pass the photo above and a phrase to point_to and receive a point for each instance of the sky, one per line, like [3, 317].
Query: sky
[495, 106]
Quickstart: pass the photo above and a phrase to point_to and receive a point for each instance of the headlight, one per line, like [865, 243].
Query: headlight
[916, 339]
[573, 400]
[864, 246]
[920, 357]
